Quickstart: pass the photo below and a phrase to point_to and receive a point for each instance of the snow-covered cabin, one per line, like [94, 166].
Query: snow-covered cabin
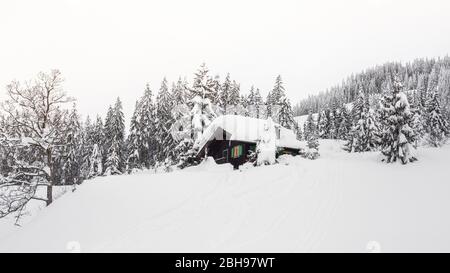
[229, 138]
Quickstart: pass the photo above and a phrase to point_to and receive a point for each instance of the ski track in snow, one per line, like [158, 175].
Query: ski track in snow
[339, 202]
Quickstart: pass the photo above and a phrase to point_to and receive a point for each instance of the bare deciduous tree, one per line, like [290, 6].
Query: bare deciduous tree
[35, 111]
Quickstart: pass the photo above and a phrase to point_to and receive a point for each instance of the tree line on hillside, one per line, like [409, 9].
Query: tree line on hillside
[422, 75]
[43, 141]
[395, 124]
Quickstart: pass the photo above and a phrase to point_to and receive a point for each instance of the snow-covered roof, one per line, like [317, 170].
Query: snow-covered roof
[245, 129]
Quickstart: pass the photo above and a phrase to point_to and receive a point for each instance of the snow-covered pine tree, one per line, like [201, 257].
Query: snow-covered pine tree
[444, 90]
[244, 106]
[95, 160]
[397, 135]
[437, 125]
[202, 112]
[98, 132]
[433, 79]
[164, 120]
[329, 124]
[224, 95]
[269, 105]
[192, 119]
[297, 131]
[115, 162]
[346, 123]
[251, 107]
[108, 133]
[418, 126]
[360, 106]
[285, 113]
[72, 150]
[235, 98]
[203, 85]
[356, 136]
[322, 124]
[133, 143]
[179, 92]
[310, 126]
[146, 116]
[251, 96]
[258, 101]
[422, 89]
[311, 137]
[98, 141]
[215, 90]
[278, 91]
[312, 147]
[419, 118]
[334, 119]
[86, 147]
[371, 139]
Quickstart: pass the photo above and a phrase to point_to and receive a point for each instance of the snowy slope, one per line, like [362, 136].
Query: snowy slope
[340, 202]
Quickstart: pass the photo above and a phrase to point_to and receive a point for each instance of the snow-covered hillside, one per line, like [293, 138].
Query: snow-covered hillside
[340, 202]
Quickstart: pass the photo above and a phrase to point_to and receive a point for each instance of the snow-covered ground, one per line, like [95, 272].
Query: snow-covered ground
[340, 202]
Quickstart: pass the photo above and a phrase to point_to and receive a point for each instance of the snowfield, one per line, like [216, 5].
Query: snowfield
[340, 203]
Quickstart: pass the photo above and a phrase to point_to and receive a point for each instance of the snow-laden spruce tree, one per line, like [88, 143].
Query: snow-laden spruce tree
[258, 105]
[365, 135]
[285, 114]
[215, 91]
[437, 126]
[322, 124]
[179, 92]
[72, 150]
[269, 105]
[355, 138]
[107, 132]
[371, 139]
[133, 143]
[334, 119]
[419, 118]
[96, 165]
[312, 151]
[86, 146]
[201, 106]
[345, 124]
[115, 131]
[245, 106]
[278, 91]
[310, 126]
[444, 90]
[193, 118]
[224, 95]
[35, 113]
[113, 160]
[397, 135]
[146, 129]
[311, 137]
[163, 122]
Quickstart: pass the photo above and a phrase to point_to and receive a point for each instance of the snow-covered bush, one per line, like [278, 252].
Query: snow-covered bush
[312, 149]
[266, 148]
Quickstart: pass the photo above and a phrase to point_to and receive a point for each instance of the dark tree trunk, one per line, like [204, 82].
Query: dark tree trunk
[50, 186]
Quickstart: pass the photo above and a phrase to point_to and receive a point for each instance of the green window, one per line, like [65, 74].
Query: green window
[236, 151]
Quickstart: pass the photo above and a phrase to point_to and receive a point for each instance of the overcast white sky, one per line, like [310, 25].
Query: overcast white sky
[112, 48]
